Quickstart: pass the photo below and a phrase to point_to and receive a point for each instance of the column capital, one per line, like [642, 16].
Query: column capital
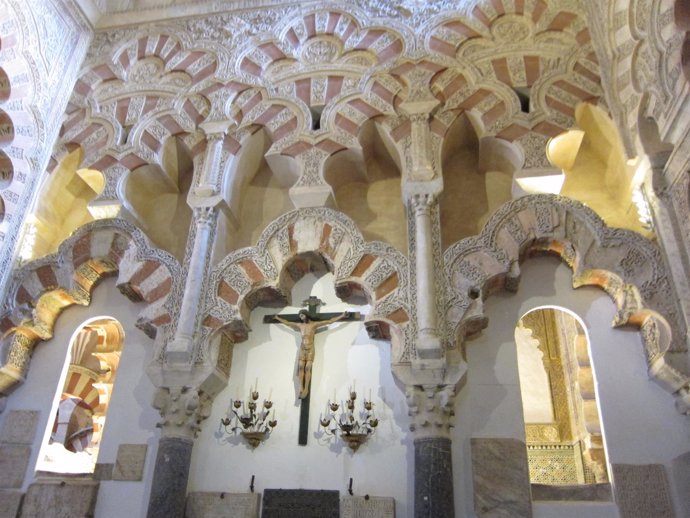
[204, 215]
[431, 408]
[181, 410]
[216, 130]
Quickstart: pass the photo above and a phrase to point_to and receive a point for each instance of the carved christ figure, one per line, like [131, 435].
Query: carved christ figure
[307, 329]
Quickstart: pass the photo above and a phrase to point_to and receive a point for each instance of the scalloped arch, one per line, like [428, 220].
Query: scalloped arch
[42, 289]
[628, 267]
[260, 274]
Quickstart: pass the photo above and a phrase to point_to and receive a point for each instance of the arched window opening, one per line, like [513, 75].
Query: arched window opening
[78, 416]
[564, 440]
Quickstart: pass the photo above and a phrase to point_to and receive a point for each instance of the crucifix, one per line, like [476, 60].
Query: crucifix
[308, 322]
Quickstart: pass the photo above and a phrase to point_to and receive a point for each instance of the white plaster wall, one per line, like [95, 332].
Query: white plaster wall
[640, 423]
[130, 420]
[344, 355]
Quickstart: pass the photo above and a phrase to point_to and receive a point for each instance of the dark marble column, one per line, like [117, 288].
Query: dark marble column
[433, 478]
[169, 486]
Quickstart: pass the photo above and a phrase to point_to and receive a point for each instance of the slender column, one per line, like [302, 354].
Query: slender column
[179, 350]
[431, 409]
[181, 410]
[428, 341]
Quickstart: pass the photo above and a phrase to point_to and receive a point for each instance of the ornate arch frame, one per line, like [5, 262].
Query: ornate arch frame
[43, 288]
[628, 267]
[294, 244]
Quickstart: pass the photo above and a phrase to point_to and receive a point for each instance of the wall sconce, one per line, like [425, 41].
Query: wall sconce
[351, 430]
[255, 426]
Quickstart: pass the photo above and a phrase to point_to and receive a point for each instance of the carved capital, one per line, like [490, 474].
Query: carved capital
[431, 408]
[182, 409]
[204, 216]
[422, 203]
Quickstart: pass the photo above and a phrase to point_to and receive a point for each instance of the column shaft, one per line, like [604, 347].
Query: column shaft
[169, 485]
[433, 478]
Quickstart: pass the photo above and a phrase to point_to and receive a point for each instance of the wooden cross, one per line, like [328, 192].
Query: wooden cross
[308, 322]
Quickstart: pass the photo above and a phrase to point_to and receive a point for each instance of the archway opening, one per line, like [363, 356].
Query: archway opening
[78, 415]
[564, 438]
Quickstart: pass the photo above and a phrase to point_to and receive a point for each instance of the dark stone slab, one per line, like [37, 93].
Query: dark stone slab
[60, 499]
[170, 475]
[500, 476]
[642, 491]
[300, 503]
[583, 493]
[9, 503]
[433, 478]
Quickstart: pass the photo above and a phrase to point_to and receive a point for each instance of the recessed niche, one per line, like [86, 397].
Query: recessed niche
[524, 94]
[316, 117]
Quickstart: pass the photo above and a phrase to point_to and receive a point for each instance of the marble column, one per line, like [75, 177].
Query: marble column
[203, 200]
[431, 409]
[181, 410]
[179, 350]
[428, 341]
[433, 478]
[169, 486]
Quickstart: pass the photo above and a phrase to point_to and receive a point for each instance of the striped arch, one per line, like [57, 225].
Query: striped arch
[321, 36]
[628, 267]
[304, 240]
[199, 64]
[20, 96]
[487, 61]
[42, 289]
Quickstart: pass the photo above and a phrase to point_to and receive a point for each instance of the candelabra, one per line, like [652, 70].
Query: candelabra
[255, 426]
[351, 430]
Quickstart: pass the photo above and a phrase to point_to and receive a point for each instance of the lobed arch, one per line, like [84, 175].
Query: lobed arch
[40, 290]
[174, 51]
[299, 242]
[628, 267]
[314, 39]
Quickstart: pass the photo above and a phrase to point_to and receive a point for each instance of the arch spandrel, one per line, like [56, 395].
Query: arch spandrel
[290, 247]
[627, 266]
[42, 289]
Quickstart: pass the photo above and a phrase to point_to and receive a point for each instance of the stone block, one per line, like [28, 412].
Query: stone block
[60, 499]
[9, 503]
[501, 479]
[103, 471]
[368, 507]
[681, 480]
[642, 491]
[302, 503]
[14, 459]
[19, 427]
[222, 505]
[130, 462]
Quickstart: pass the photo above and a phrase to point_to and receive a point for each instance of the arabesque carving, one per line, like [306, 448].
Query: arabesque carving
[627, 266]
[292, 245]
[42, 289]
